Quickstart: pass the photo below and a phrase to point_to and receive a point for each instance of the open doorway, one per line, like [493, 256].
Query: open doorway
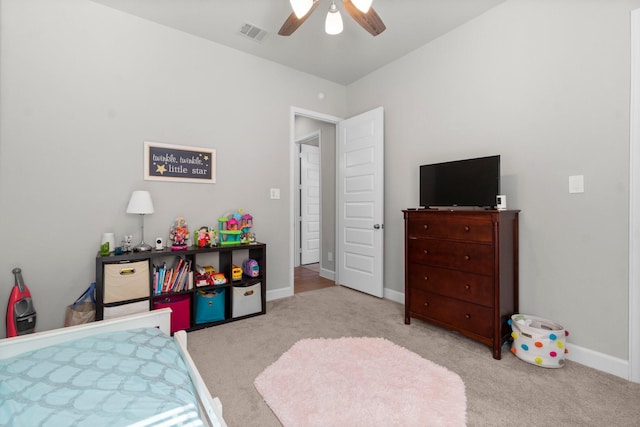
[354, 232]
[313, 207]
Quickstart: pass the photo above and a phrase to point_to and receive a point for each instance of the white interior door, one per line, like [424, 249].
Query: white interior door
[360, 206]
[309, 204]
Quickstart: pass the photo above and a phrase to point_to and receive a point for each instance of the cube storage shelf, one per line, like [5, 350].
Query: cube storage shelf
[129, 287]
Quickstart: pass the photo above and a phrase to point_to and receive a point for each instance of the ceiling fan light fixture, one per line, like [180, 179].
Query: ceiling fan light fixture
[301, 7]
[363, 5]
[333, 23]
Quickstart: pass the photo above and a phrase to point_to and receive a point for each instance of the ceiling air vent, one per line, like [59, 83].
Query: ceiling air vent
[253, 32]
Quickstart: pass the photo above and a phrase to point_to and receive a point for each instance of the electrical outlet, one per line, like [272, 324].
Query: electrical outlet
[274, 193]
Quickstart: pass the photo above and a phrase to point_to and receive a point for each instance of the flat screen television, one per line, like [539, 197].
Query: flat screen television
[468, 183]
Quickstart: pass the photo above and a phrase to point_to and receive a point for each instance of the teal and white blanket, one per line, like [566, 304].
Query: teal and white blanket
[134, 377]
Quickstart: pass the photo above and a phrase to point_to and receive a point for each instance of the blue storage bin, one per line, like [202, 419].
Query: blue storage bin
[210, 306]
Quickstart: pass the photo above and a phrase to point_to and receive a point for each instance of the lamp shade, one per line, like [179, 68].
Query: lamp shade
[363, 5]
[301, 7]
[140, 203]
[333, 23]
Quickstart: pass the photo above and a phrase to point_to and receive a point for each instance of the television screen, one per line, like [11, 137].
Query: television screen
[470, 182]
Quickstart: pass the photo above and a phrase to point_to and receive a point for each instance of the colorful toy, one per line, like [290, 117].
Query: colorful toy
[179, 234]
[232, 224]
[201, 280]
[236, 273]
[250, 267]
[207, 276]
[222, 223]
[204, 237]
[127, 243]
[246, 222]
[234, 229]
[202, 275]
[219, 279]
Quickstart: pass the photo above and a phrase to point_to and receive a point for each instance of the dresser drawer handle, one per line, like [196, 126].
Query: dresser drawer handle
[467, 316]
[467, 257]
[426, 226]
[426, 304]
[426, 278]
[426, 251]
[466, 228]
[467, 287]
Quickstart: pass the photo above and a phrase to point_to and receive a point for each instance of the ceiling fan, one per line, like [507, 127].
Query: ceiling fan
[360, 10]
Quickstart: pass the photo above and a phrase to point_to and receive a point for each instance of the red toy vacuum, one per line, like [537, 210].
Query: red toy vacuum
[21, 316]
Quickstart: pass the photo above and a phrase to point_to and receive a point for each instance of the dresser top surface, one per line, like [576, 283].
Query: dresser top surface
[460, 212]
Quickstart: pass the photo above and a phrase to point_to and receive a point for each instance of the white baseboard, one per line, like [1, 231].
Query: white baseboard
[328, 274]
[279, 293]
[393, 295]
[600, 361]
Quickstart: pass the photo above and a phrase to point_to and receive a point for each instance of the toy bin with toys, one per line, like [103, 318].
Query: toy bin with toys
[210, 306]
[538, 341]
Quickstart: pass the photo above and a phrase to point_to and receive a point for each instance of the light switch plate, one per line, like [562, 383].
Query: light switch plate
[576, 184]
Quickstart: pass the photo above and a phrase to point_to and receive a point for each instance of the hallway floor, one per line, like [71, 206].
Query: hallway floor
[307, 278]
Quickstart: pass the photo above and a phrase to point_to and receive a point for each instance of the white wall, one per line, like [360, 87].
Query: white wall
[545, 84]
[82, 87]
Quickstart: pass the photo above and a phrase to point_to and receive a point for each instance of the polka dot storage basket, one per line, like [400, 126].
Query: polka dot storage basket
[538, 341]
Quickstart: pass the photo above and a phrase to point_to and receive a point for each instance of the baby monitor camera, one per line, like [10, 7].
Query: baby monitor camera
[501, 202]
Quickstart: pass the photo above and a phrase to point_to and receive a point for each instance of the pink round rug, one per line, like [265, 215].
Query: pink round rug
[360, 382]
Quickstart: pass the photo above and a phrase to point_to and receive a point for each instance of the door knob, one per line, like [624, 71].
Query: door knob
[378, 226]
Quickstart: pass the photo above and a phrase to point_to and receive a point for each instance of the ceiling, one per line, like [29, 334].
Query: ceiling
[343, 58]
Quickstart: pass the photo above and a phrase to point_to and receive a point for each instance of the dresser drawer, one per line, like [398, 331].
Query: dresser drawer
[442, 225]
[470, 257]
[460, 315]
[473, 288]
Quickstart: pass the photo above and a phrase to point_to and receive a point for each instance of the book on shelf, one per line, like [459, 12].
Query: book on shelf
[176, 279]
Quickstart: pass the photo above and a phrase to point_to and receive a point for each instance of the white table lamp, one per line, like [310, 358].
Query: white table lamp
[141, 204]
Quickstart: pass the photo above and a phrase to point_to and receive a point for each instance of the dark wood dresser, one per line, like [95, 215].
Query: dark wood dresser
[461, 271]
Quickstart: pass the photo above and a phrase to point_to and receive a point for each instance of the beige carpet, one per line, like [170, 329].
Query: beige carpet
[508, 392]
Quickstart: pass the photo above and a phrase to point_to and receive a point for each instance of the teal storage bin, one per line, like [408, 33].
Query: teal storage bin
[210, 306]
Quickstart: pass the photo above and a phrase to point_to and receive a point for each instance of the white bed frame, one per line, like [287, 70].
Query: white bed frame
[210, 407]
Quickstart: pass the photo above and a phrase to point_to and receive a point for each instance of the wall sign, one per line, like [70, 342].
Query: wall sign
[167, 162]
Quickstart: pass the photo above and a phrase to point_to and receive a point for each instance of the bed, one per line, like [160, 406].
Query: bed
[124, 371]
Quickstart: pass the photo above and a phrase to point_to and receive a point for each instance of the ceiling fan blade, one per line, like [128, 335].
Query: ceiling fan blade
[293, 22]
[370, 21]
